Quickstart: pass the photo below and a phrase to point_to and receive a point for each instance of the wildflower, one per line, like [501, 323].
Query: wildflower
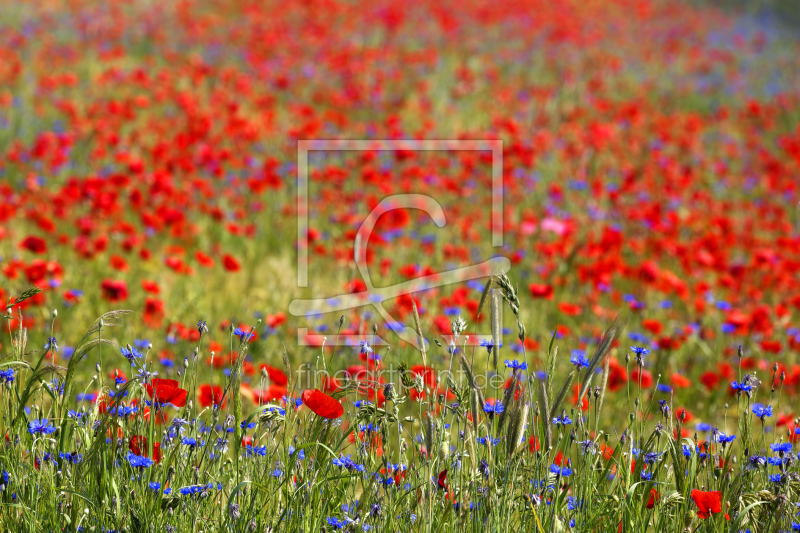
[7, 376]
[138, 461]
[761, 411]
[516, 365]
[489, 344]
[190, 442]
[784, 447]
[559, 471]
[364, 347]
[144, 374]
[725, 439]
[71, 457]
[154, 486]
[564, 420]
[51, 343]
[335, 523]
[587, 446]
[348, 463]
[244, 334]
[741, 387]
[201, 327]
[640, 353]
[164, 391]
[494, 408]
[579, 359]
[41, 427]
[322, 404]
[708, 503]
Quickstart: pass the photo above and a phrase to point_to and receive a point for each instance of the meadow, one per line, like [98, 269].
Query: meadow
[635, 368]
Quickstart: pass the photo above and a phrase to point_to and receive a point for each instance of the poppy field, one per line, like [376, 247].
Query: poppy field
[195, 324]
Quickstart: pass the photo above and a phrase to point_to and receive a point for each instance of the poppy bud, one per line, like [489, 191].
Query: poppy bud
[55, 313]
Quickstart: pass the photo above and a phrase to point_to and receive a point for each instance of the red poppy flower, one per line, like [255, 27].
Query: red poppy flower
[150, 286]
[166, 391]
[708, 503]
[541, 291]
[138, 445]
[680, 381]
[653, 499]
[442, 481]
[276, 376]
[153, 312]
[322, 404]
[114, 290]
[569, 309]
[210, 395]
[230, 263]
[33, 244]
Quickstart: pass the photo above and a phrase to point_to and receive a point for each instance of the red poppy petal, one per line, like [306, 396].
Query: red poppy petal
[322, 404]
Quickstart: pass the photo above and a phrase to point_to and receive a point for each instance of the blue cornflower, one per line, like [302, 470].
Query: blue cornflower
[348, 463]
[249, 450]
[725, 439]
[755, 461]
[7, 376]
[494, 408]
[131, 354]
[762, 412]
[294, 401]
[154, 485]
[71, 457]
[563, 420]
[335, 523]
[191, 489]
[51, 343]
[300, 455]
[245, 425]
[784, 447]
[272, 408]
[555, 469]
[144, 374]
[361, 403]
[489, 344]
[488, 440]
[137, 461]
[741, 387]
[776, 478]
[41, 427]
[201, 326]
[190, 442]
[647, 476]
[141, 343]
[243, 334]
[579, 359]
[703, 427]
[640, 353]
[364, 347]
[516, 365]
